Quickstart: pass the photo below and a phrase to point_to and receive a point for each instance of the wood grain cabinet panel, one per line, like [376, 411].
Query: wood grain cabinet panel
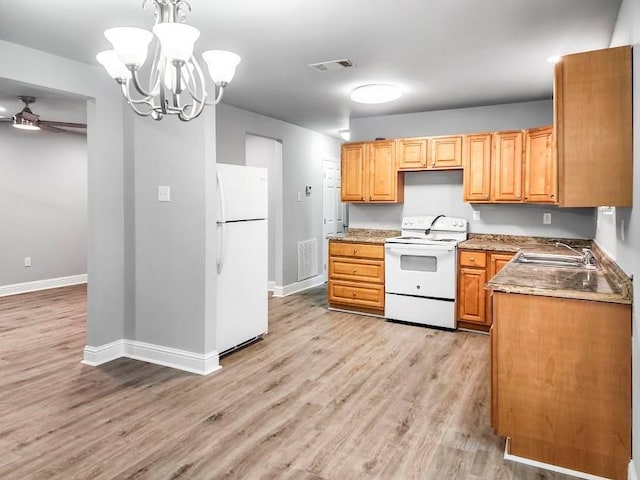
[561, 371]
[356, 277]
[411, 153]
[354, 172]
[540, 166]
[506, 167]
[370, 174]
[471, 299]
[476, 179]
[475, 269]
[593, 126]
[445, 152]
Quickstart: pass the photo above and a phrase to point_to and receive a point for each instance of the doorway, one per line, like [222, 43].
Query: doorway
[333, 209]
[267, 153]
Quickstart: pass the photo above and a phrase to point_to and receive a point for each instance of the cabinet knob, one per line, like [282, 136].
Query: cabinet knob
[355, 250]
[552, 195]
[354, 270]
[472, 259]
[354, 294]
[433, 164]
[486, 196]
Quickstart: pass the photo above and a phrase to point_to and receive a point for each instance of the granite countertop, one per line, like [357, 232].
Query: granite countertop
[364, 235]
[606, 284]
[513, 243]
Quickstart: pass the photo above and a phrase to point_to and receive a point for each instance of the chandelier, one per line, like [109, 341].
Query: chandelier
[176, 83]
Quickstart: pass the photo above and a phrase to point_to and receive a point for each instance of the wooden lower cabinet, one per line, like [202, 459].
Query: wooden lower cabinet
[475, 269]
[356, 276]
[561, 381]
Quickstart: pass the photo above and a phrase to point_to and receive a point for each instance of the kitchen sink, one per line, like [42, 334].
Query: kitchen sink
[555, 260]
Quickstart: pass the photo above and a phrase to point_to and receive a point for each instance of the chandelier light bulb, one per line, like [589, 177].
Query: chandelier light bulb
[222, 65]
[176, 40]
[130, 44]
[110, 60]
[376, 93]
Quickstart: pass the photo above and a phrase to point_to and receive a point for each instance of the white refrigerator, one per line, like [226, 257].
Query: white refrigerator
[242, 261]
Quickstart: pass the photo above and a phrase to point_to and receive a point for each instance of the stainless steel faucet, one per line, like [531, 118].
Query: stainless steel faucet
[587, 254]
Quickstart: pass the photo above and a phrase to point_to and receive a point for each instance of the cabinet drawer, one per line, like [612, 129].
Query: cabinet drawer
[356, 270]
[473, 259]
[363, 250]
[357, 294]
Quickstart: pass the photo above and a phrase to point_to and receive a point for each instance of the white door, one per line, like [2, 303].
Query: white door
[333, 207]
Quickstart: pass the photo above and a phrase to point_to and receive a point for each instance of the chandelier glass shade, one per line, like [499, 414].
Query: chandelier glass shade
[176, 84]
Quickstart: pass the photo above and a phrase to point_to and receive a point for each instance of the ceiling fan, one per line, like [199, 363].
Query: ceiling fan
[25, 119]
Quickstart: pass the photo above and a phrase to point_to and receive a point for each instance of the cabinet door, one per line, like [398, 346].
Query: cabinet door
[477, 168]
[383, 175]
[471, 294]
[354, 172]
[411, 153]
[540, 167]
[506, 167]
[445, 152]
[594, 128]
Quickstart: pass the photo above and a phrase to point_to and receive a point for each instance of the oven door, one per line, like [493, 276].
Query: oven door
[420, 270]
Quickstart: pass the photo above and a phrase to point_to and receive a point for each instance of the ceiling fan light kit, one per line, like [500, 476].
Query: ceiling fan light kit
[176, 82]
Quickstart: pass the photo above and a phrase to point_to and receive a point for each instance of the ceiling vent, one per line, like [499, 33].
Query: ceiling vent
[332, 65]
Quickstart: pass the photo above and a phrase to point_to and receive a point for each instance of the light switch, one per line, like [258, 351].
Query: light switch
[299, 196]
[164, 193]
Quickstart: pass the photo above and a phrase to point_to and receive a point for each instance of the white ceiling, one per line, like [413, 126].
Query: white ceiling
[442, 53]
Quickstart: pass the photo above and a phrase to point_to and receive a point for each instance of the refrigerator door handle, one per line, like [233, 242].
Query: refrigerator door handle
[222, 207]
[220, 247]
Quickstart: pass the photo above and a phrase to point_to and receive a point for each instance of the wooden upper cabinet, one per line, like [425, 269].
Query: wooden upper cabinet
[369, 173]
[354, 172]
[411, 153]
[476, 153]
[445, 152]
[506, 167]
[540, 166]
[593, 123]
[383, 176]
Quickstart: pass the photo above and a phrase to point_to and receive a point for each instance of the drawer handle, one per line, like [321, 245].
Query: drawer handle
[355, 250]
[354, 270]
[472, 259]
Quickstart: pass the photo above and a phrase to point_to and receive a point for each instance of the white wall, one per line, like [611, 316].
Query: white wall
[302, 154]
[429, 193]
[43, 199]
[267, 153]
[622, 233]
[106, 239]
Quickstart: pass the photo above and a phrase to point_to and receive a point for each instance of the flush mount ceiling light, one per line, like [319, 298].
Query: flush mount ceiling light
[345, 134]
[375, 93]
[554, 59]
[176, 82]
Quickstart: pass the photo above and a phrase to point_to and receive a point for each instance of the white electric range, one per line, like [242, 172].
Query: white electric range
[420, 270]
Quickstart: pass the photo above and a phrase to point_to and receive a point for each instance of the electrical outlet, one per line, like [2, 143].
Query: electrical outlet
[476, 215]
[164, 193]
[27, 261]
[546, 218]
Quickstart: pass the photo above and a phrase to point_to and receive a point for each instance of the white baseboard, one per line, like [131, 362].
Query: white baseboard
[18, 288]
[279, 291]
[633, 474]
[271, 286]
[548, 466]
[169, 357]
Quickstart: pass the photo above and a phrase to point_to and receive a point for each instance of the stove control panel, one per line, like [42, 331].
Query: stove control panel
[451, 224]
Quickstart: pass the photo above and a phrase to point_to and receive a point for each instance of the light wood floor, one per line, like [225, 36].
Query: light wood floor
[325, 395]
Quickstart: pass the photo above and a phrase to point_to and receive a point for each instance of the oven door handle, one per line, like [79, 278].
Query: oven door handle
[418, 250]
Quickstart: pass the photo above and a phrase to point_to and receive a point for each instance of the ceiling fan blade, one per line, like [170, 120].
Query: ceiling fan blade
[6, 119]
[53, 123]
[51, 128]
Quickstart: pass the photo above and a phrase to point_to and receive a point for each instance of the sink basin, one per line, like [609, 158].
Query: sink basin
[554, 260]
